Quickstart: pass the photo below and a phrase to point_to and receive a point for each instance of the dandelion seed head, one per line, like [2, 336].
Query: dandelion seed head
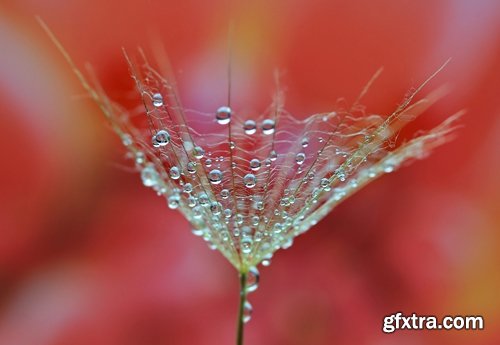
[249, 186]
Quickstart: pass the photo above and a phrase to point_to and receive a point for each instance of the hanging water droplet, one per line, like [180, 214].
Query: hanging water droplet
[149, 176]
[161, 138]
[247, 312]
[305, 142]
[215, 176]
[174, 173]
[255, 164]
[273, 155]
[300, 158]
[215, 208]
[250, 127]
[253, 277]
[126, 139]
[203, 199]
[198, 152]
[191, 167]
[191, 201]
[173, 201]
[268, 126]
[223, 115]
[187, 188]
[157, 100]
[224, 193]
[249, 180]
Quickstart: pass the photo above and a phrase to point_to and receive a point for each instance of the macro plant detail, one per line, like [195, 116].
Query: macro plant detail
[249, 185]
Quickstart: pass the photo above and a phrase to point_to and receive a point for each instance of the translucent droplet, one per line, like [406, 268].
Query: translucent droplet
[250, 127]
[139, 157]
[255, 164]
[173, 201]
[253, 277]
[268, 162]
[197, 212]
[161, 138]
[325, 184]
[203, 199]
[266, 262]
[255, 220]
[198, 232]
[232, 145]
[246, 245]
[215, 176]
[388, 167]
[208, 163]
[187, 188]
[249, 180]
[340, 174]
[191, 201]
[126, 139]
[223, 115]
[247, 312]
[198, 152]
[215, 208]
[224, 193]
[149, 176]
[239, 219]
[157, 100]
[174, 173]
[305, 142]
[191, 167]
[300, 158]
[228, 213]
[268, 126]
[273, 155]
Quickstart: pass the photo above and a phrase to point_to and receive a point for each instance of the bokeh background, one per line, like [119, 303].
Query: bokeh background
[89, 256]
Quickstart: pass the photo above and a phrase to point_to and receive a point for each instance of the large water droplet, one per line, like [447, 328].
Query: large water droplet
[161, 138]
[247, 312]
[255, 164]
[215, 176]
[300, 158]
[249, 180]
[157, 100]
[175, 173]
[253, 277]
[268, 126]
[223, 115]
[198, 152]
[250, 127]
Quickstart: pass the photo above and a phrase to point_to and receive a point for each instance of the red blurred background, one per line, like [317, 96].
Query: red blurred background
[89, 256]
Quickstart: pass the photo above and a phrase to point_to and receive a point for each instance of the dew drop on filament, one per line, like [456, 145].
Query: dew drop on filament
[253, 277]
[247, 312]
[249, 180]
[250, 127]
[223, 115]
[157, 100]
[215, 176]
[268, 126]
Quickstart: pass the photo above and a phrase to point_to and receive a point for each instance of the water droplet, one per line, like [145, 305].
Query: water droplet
[305, 142]
[126, 139]
[300, 158]
[198, 152]
[215, 208]
[223, 115]
[255, 220]
[139, 157]
[249, 180]
[157, 100]
[215, 176]
[208, 163]
[246, 245]
[253, 277]
[255, 164]
[224, 193]
[197, 212]
[320, 139]
[174, 173]
[239, 219]
[191, 167]
[162, 138]
[149, 176]
[273, 155]
[203, 199]
[198, 232]
[268, 126]
[173, 201]
[266, 262]
[250, 127]
[247, 312]
[228, 213]
[187, 188]
[340, 174]
[388, 167]
[191, 201]
[325, 184]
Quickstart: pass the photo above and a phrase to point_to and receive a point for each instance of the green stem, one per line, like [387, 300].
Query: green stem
[243, 298]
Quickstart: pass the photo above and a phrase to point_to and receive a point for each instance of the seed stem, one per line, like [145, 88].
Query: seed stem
[243, 298]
